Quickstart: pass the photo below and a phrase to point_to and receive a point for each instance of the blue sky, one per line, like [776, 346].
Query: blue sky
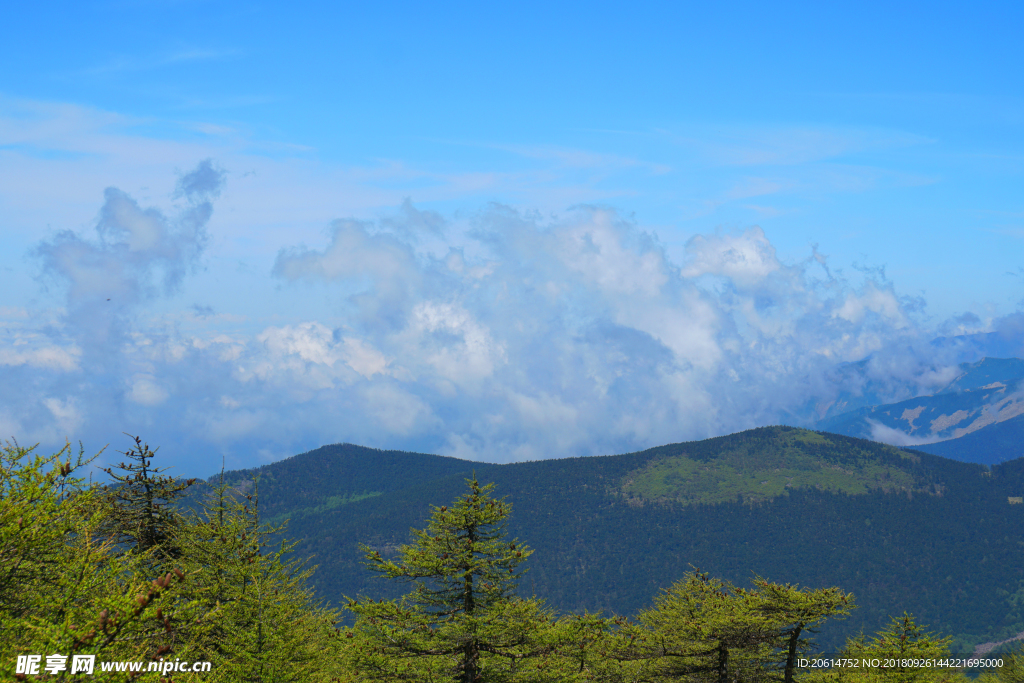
[495, 231]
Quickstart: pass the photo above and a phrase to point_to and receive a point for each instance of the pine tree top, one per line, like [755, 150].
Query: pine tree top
[463, 560]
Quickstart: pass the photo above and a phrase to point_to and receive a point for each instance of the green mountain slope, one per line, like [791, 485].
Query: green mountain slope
[902, 530]
[752, 472]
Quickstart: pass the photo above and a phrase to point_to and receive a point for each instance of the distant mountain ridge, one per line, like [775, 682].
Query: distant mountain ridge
[901, 529]
[996, 443]
[332, 476]
[988, 373]
[985, 401]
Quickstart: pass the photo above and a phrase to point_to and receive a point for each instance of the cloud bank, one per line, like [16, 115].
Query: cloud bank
[501, 337]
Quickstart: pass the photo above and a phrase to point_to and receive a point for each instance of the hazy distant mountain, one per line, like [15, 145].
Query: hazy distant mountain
[872, 381]
[989, 445]
[983, 402]
[1006, 342]
[900, 529]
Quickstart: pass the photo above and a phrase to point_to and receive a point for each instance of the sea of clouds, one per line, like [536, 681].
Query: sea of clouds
[502, 336]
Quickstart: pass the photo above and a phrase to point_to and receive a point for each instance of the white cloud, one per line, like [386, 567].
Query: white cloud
[363, 358]
[465, 351]
[146, 391]
[594, 248]
[896, 437]
[396, 411]
[314, 350]
[47, 357]
[311, 342]
[500, 336]
[66, 413]
[745, 258]
[872, 299]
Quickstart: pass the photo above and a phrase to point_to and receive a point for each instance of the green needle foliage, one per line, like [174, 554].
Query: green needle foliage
[706, 629]
[462, 621]
[792, 612]
[256, 618]
[1011, 671]
[703, 629]
[462, 561]
[141, 504]
[64, 587]
[896, 647]
[117, 571]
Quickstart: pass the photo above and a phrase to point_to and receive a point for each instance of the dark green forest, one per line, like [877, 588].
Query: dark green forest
[902, 530]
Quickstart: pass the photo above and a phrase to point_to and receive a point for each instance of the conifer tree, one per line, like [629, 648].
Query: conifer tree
[462, 621]
[257, 618]
[792, 611]
[72, 584]
[702, 629]
[706, 629]
[63, 588]
[901, 643]
[142, 515]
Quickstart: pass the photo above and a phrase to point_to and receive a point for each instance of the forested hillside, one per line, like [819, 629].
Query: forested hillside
[902, 530]
[793, 531]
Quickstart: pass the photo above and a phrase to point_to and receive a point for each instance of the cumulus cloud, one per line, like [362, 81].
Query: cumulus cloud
[136, 255]
[83, 363]
[138, 252]
[501, 337]
[581, 336]
[746, 259]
